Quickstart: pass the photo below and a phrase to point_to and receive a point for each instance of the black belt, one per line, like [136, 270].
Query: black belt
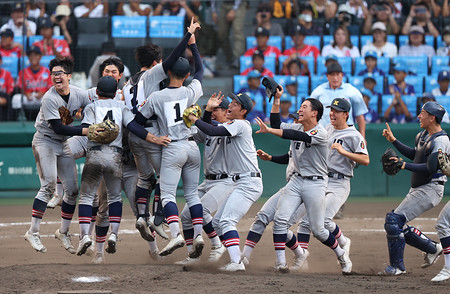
[313, 178]
[216, 177]
[252, 174]
[440, 183]
[337, 175]
[189, 139]
[99, 148]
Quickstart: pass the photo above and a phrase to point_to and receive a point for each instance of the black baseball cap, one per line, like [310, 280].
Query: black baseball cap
[334, 67]
[340, 104]
[181, 67]
[243, 99]
[45, 23]
[298, 30]
[258, 53]
[34, 49]
[7, 33]
[434, 108]
[261, 31]
[224, 104]
[107, 87]
[17, 6]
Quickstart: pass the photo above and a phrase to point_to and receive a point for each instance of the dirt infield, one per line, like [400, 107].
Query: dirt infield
[130, 270]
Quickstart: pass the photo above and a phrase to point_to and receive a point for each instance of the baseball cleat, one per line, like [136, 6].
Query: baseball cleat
[443, 275]
[347, 245]
[84, 244]
[65, 240]
[245, 260]
[187, 261]
[143, 229]
[301, 262]
[346, 263]
[154, 255]
[35, 241]
[281, 268]
[233, 267]
[158, 229]
[431, 258]
[99, 258]
[216, 253]
[112, 244]
[55, 201]
[173, 245]
[91, 250]
[393, 271]
[198, 247]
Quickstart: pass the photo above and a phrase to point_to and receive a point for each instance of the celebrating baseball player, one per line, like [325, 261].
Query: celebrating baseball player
[52, 153]
[242, 165]
[427, 187]
[309, 182]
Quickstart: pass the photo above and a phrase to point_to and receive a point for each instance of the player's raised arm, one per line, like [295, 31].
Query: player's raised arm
[402, 148]
[197, 59]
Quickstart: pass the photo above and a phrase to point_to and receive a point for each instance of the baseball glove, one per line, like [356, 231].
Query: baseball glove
[444, 163]
[66, 118]
[195, 110]
[390, 166]
[108, 133]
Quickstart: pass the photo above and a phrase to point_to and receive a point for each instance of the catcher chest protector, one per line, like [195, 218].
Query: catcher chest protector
[423, 150]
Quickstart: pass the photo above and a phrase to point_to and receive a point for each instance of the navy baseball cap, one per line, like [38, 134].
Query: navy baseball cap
[298, 30]
[340, 104]
[45, 23]
[370, 78]
[243, 99]
[443, 75]
[181, 67]
[107, 87]
[434, 108]
[17, 7]
[428, 95]
[371, 53]
[7, 33]
[34, 49]
[334, 67]
[261, 31]
[258, 53]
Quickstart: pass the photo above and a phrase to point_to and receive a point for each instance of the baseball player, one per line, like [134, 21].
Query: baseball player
[308, 184]
[181, 158]
[346, 148]
[242, 165]
[443, 230]
[427, 188]
[147, 155]
[214, 190]
[52, 154]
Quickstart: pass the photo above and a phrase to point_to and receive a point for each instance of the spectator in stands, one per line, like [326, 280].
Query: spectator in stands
[419, 15]
[48, 45]
[380, 43]
[258, 64]
[400, 87]
[342, 45]
[284, 8]
[344, 18]
[382, 13]
[263, 19]
[37, 82]
[18, 23]
[7, 46]
[445, 9]
[372, 115]
[305, 19]
[370, 83]
[231, 16]
[6, 89]
[358, 8]
[323, 8]
[443, 81]
[371, 58]
[417, 45]
[330, 59]
[35, 9]
[92, 8]
[397, 112]
[258, 94]
[262, 38]
[291, 88]
[295, 66]
[444, 50]
[300, 49]
[108, 50]
[64, 21]
[430, 97]
[171, 7]
[134, 8]
[285, 105]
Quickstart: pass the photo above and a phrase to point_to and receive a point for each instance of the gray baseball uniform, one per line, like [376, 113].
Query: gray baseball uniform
[443, 225]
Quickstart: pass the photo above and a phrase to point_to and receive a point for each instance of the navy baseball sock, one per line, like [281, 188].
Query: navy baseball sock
[197, 218]
[37, 213]
[445, 242]
[212, 235]
[292, 243]
[171, 214]
[100, 238]
[333, 244]
[93, 219]
[115, 216]
[67, 211]
[141, 198]
[250, 243]
[84, 218]
[339, 236]
[279, 241]
[303, 240]
[231, 241]
[189, 238]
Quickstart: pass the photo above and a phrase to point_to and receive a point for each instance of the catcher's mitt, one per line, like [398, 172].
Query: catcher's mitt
[390, 166]
[109, 132]
[195, 110]
[444, 163]
[66, 118]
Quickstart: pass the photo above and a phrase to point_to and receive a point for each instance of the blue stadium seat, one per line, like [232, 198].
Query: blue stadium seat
[431, 82]
[410, 101]
[382, 63]
[328, 39]
[35, 38]
[403, 40]
[239, 82]
[345, 62]
[11, 64]
[416, 64]
[273, 41]
[316, 80]
[444, 101]
[22, 41]
[373, 103]
[246, 62]
[45, 60]
[439, 63]
[416, 81]
[309, 40]
[310, 60]
[302, 82]
[358, 82]
[366, 39]
[439, 41]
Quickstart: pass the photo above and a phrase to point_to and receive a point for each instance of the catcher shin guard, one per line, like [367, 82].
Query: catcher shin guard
[395, 239]
[417, 239]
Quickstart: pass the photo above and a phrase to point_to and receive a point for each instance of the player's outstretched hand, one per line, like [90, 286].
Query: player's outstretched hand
[263, 155]
[193, 26]
[387, 133]
[263, 128]
[163, 140]
[214, 101]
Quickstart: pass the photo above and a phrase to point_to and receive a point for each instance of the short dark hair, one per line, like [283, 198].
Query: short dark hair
[66, 63]
[146, 54]
[113, 60]
[317, 106]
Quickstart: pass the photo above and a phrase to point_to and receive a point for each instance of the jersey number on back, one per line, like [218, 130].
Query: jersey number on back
[173, 111]
[178, 116]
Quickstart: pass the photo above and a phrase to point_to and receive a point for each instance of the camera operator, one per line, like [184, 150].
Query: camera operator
[420, 15]
[263, 19]
[344, 17]
[381, 11]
